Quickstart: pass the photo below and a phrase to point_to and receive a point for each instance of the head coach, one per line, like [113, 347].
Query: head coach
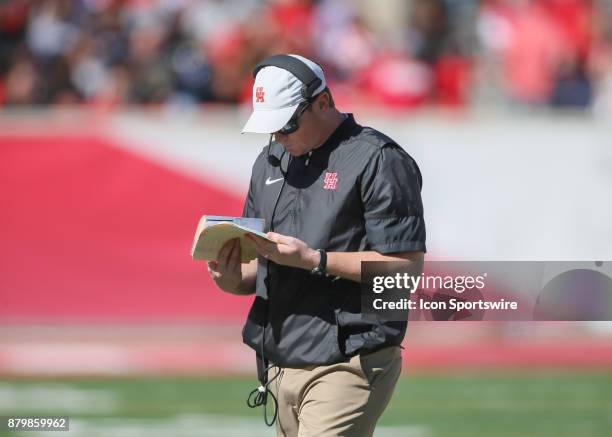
[333, 194]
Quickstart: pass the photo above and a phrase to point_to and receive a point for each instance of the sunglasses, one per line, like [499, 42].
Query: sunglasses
[292, 125]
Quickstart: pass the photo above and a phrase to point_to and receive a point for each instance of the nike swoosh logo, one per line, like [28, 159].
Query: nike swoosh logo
[271, 181]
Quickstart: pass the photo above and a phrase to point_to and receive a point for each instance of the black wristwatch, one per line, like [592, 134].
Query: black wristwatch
[321, 269]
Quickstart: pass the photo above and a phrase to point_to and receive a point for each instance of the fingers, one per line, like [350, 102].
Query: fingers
[234, 257]
[213, 269]
[262, 246]
[279, 238]
[256, 239]
[228, 261]
[273, 236]
[225, 254]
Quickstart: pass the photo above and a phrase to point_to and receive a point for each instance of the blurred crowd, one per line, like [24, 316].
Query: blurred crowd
[396, 53]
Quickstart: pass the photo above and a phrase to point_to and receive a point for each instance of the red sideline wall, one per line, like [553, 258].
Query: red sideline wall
[91, 232]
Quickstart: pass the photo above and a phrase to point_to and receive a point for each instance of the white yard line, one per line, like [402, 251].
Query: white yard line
[56, 399]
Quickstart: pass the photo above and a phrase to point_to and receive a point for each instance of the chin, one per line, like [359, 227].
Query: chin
[293, 151]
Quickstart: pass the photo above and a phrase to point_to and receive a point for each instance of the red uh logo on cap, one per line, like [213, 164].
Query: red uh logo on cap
[330, 181]
[259, 94]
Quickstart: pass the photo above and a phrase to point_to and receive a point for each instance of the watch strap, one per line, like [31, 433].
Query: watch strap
[321, 269]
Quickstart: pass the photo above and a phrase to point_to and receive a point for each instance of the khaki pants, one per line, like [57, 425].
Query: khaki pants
[344, 399]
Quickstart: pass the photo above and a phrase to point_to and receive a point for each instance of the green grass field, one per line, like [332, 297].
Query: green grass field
[529, 404]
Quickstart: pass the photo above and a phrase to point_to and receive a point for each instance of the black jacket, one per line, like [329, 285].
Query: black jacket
[359, 191]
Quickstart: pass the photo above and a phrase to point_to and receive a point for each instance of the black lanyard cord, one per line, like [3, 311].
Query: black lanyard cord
[259, 396]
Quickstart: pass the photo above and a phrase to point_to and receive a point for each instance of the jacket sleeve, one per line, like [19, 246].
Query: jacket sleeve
[391, 196]
[249, 209]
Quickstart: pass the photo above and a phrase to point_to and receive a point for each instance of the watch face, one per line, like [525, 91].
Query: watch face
[320, 269]
[317, 271]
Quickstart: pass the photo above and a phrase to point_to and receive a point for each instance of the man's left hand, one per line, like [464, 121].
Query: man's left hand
[287, 251]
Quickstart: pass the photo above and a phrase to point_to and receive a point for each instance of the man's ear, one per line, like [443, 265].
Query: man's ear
[323, 101]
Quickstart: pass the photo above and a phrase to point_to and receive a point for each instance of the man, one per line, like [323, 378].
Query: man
[333, 194]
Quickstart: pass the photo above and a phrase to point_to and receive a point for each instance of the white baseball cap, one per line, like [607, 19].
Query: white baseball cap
[276, 95]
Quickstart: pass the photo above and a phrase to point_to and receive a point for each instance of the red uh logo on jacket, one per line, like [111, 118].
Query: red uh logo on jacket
[330, 181]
